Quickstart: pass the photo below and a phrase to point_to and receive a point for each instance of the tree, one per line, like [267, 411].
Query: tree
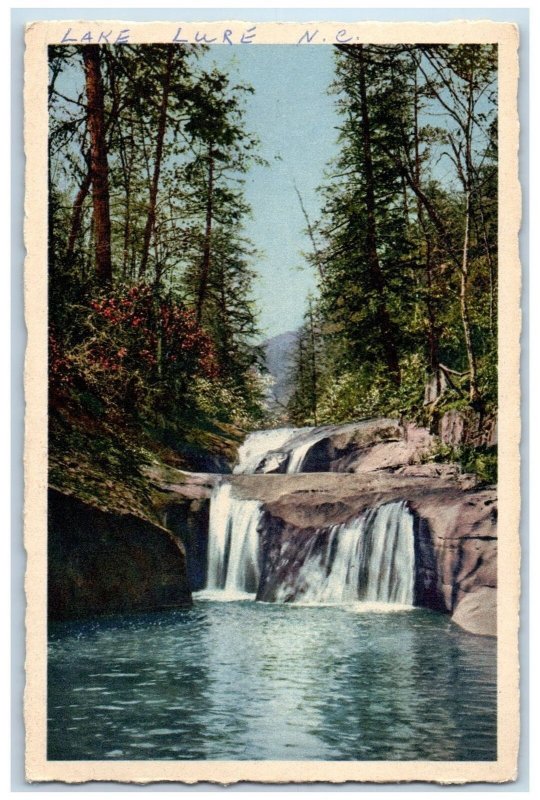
[99, 168]
[458, 77]
[406, 245]
[159, 146]
[307, 369]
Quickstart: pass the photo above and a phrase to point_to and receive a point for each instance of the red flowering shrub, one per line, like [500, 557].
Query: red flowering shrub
[134, 341]
[153, 330]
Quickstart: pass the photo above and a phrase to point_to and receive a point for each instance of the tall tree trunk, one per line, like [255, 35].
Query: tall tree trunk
[491, 266]
[207, 247]
[464, 303]
[313, 365]
[224, 338]
[433, 343]
[383, 317]
[317, 256]
[90, 250]
[464, 276]
[162, 124]
[98, 163]
[126, 159]
[76, 215]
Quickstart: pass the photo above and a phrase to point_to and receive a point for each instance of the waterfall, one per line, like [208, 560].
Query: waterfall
[369, 560]
[233, 544]
[387, 564]
[298, 455]
[263, 451]
[259, 445]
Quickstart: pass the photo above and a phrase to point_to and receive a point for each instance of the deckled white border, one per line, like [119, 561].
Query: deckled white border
[38, 36]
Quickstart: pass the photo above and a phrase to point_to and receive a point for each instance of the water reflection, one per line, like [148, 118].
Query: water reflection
[260, 681]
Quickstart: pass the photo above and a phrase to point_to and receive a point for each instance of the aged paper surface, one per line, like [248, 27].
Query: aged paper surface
[38, 36]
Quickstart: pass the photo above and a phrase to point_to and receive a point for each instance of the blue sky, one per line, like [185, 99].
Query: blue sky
[294, 118]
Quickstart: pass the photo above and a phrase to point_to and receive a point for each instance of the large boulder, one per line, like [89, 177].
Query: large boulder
[103, 562]
[368, 446]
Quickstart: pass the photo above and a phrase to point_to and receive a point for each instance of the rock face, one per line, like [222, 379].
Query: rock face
[105, 563]
[188, 522]
[368, 446]
[455, 530]
[460, 427]
[346, 470]
[183, 500]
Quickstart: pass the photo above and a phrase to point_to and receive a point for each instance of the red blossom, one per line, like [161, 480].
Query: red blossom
[141, 323]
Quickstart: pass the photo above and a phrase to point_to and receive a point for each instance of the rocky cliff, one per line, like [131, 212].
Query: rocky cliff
[102, 562]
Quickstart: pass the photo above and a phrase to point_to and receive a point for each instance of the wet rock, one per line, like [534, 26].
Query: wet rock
[275, 462]
[477, 612]
[183, 500]
[187, 520]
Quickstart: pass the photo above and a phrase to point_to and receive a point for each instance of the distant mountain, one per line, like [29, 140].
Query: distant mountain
[279, 351]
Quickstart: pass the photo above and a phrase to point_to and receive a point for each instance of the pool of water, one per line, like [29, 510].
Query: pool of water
[246, 680]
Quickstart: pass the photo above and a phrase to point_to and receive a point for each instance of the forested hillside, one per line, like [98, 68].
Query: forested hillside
[406, 247]
[154, 344]
[152, 326]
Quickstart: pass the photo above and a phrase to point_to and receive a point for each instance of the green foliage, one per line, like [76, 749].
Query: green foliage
[371, 393]
[170, 346]
[407, 243]
[479, 461]
[227, 403]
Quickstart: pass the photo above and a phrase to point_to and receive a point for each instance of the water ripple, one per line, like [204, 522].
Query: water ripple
[244, 680]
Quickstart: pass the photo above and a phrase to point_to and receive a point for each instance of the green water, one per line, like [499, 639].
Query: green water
[246, 680]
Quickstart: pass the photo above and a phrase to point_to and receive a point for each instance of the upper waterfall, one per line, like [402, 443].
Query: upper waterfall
[277, 450]
[323, 448]
[260, 445]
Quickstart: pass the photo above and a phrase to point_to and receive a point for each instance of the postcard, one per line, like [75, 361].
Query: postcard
[272, 294]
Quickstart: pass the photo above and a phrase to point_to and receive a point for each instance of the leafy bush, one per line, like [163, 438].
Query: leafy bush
[369, 392]
[131, 345]
[479, 461]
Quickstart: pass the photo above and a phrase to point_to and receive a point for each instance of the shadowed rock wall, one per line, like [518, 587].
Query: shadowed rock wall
[101, 562]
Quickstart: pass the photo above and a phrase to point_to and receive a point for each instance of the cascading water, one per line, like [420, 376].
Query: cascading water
[369, 560]
[233, 544]
[270, 450]
[387, 564]
[297, 456]
[260, 445]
